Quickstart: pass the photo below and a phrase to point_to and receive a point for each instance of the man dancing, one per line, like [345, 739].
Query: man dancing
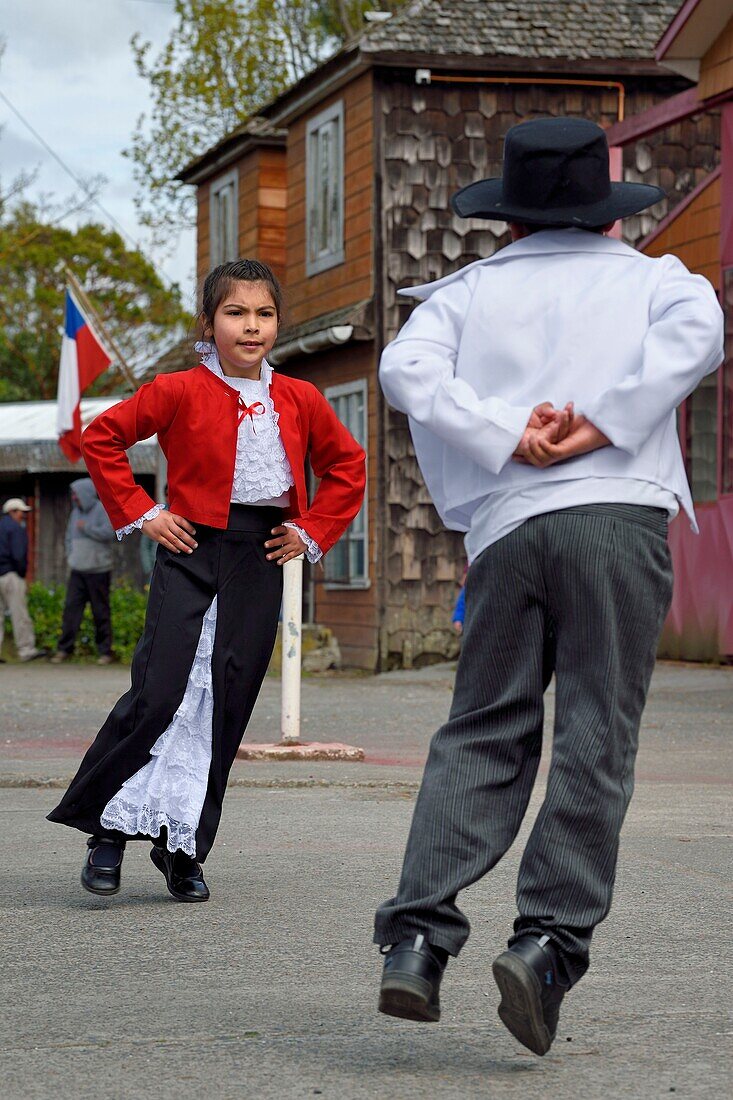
[541, 386]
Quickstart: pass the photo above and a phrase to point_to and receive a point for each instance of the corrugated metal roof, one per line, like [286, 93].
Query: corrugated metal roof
[28, 438]
[46, 457]
[570, 29]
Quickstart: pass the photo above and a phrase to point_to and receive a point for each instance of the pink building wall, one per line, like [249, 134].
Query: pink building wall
[700, 623]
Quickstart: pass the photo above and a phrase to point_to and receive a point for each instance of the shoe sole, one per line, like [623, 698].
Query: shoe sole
[100, 893]
[408, 998]
[520, 1009]
[157, 862]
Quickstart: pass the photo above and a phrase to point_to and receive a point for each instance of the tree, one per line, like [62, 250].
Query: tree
[140, 313]
[221, 64]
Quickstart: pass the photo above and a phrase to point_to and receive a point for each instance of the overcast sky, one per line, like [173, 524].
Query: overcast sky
[68, 69]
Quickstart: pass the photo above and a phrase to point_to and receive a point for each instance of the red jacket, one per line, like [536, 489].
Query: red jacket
[195, 415]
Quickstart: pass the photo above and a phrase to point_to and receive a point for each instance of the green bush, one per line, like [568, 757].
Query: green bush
[46, 606]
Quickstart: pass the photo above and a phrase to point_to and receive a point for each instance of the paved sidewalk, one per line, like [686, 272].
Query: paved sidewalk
[269, 990]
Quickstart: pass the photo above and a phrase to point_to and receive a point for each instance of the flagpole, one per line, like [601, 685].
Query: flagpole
[86, 302]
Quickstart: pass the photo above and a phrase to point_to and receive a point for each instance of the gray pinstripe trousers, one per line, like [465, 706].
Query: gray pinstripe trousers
[582, 593]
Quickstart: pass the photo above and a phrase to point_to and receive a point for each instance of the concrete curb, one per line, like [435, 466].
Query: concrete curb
[31, 782]
[301, 750]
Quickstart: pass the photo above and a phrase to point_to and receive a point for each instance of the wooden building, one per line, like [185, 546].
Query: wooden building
[34, 468]
[698, 43]
[343, 182]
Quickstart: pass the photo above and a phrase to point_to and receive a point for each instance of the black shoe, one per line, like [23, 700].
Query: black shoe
[411, 980]
[532, 983]
[101, 871]
[183, 875]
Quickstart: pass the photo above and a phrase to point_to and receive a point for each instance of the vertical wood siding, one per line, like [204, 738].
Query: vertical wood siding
[352, 280]
[203, 236]
[351, 613]
[261, 209]
[694, 235]
[716, 67]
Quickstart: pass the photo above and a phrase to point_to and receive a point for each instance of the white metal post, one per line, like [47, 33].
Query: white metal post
[292, 629]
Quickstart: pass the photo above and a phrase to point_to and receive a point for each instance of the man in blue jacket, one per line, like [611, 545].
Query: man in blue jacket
[13, 568]
[89, 539]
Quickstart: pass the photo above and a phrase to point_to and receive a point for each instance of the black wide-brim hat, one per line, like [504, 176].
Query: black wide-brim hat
[556, 172]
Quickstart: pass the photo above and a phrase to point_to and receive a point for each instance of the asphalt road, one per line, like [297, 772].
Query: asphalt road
[269, 990]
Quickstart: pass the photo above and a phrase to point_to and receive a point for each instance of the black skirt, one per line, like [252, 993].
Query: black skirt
[231, 565]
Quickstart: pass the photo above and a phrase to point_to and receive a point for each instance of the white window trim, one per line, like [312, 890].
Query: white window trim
[330, 259]
[360, 385]
[218, 185]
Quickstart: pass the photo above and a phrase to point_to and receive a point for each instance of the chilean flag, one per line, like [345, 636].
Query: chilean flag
[83, 358]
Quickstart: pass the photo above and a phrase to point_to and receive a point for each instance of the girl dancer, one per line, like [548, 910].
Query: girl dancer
[236, 437]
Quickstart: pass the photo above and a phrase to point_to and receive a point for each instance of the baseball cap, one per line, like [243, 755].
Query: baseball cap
[15, 504]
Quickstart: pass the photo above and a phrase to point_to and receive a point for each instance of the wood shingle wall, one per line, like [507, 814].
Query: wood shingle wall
[437, 138]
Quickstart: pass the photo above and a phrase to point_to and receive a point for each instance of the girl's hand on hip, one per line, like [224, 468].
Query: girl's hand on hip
[172, 531]
[286, 546]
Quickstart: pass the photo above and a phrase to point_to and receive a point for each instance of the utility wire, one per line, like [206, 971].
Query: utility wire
[80, 183]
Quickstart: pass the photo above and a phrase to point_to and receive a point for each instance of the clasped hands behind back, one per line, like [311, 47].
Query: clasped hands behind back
[553, 435]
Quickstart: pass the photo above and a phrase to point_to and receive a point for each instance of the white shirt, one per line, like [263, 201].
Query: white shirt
[562, 315]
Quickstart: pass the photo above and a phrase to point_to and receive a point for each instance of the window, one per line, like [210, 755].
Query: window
[346, 564]
[324, 160]
[223, 219]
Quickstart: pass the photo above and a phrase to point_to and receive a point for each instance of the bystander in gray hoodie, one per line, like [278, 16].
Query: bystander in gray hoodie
[89, 534]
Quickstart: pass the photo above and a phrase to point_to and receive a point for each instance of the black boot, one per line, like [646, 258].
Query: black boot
[183, 875]
[413, 970]
[532, 983]
[101, 871]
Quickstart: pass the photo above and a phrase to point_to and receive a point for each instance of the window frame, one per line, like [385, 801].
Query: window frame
[314, 265]
[345, 389]
[215, 188]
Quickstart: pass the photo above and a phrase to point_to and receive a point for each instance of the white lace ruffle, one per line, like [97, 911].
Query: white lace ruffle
[122, 531]
[169, 791]
[261, 468]
[313, 551]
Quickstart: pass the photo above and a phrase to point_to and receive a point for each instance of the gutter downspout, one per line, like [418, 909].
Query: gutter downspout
[308, 345]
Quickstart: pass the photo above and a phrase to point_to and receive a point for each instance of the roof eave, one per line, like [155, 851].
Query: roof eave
[504, 63]
[225, 153]
[691, 33]
[328, 77]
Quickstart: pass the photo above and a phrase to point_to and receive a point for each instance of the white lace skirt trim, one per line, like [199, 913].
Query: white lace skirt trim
[169, 791]
[136, 526]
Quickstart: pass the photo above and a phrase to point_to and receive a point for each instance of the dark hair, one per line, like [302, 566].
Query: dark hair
[219, 282]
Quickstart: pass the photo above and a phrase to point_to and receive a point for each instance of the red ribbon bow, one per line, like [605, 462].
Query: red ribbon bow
[257, 409]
